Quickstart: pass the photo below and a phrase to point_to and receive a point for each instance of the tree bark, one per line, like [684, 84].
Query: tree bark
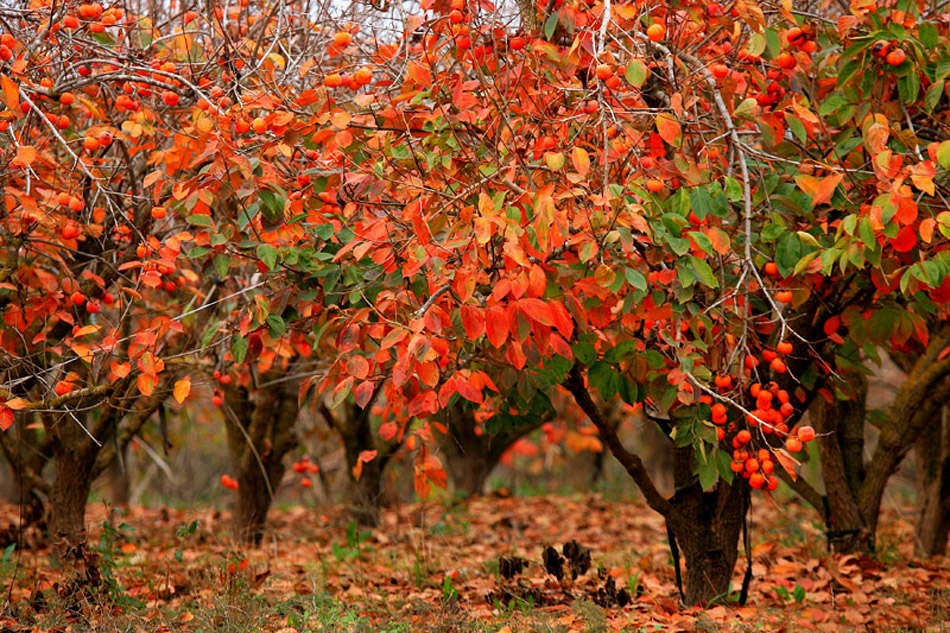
[365, 490]
[707, 527]
[260, 434]
[848, 529]
[853, 489]
[74, 459]
[472, 456]
[933, 490]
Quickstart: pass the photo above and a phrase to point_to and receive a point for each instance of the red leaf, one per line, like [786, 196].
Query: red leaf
[905, 240]
[363, 393]
[473, 320]
[467, 390]
[536, 310]
[367, 456]
[562, 319]
[6, 418]
[496, 325]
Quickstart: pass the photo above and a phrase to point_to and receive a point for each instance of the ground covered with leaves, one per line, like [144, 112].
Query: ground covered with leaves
[497, 563]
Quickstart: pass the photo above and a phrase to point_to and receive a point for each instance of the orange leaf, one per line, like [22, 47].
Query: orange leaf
[182, 389]
[473, 320]
[26, 154]
[787, 461]
[496, 325]
[368, 456]
[820, 191]
[11, 94]
[121, 370]
[537, 310]
[669, 129]
[146, 384]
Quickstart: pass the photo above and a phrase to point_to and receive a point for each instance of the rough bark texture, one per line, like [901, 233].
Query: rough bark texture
[357, 434]
[933, 489]
[842, 470]
[260, 433]
[74, 458]
[854, 489]
[470, 456]
[706, 525]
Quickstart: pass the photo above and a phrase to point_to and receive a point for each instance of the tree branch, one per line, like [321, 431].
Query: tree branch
[631, 462]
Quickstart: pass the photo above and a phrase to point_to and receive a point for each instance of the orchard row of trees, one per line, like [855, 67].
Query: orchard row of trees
[444, 227]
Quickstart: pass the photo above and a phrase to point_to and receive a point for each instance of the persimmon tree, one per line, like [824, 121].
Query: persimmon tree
[670, 205]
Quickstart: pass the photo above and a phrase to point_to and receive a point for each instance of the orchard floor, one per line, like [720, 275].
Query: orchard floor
[436, 567]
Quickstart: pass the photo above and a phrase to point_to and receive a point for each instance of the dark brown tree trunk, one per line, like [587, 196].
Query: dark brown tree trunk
[67, 506]
[933, 489]
[840, 424]
[260, 434]
[707, 527]
[470, 455]
[357, 434]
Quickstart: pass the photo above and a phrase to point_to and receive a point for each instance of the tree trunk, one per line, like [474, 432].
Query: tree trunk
[67, 505]
[257, 448]
[839, 424]
[471, 456]
[357, 435]
[707, 527]
[933, 490]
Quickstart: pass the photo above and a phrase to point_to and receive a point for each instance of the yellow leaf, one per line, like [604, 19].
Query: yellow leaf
[182, 389]
[581, 160]
[554, 160]
[204, 125]
[26, 154]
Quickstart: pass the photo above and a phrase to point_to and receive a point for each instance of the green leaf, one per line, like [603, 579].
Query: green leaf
[276, 325]
[798, 129]
[943, 154]
[208, 335]
[550, 25]
[724, 462]
[704, 272]
[909, 87]
[708, 471]
[787, 253]
[635, 278]
[635, 73]
[222, 263]
[604, 378]
[928, 35]
[584, 353]
[200, 219]
[268, 255]
[933, 95]
[239, 346]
